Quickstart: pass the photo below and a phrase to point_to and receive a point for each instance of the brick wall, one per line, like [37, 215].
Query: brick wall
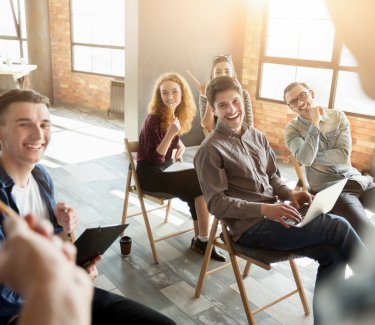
[271, 118]
[78, 89]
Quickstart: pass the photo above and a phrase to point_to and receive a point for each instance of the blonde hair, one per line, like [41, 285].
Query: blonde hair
[185, 111]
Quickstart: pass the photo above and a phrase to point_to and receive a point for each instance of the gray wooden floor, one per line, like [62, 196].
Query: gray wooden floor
[87, 163]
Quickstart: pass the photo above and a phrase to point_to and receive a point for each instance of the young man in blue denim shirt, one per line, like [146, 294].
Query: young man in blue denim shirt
[320, 140]
[25, 132]
[239, 182]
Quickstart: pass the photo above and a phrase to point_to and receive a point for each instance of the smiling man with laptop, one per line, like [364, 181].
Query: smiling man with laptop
[320, 140]
[238, 178]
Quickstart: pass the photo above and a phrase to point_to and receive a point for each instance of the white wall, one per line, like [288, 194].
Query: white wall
[175, 35]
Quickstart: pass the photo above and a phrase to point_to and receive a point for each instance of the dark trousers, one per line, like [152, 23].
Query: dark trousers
[329, 239]
[111, 309]
[182, 184]
[352, 204]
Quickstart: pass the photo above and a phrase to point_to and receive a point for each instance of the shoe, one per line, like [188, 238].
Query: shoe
[200, 247]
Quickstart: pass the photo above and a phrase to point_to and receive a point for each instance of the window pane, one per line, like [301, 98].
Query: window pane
[99, 60]
[350, 96]
[25, 53]
[299, 29]
[81, 29]
[276, 77]
[309, 40]
[98, 22]
[10, 49]
[23, 20]
[118, 63]
[316, 40]
[315, 9]
[82, 58]
[283, 38]
[347, 59]
[6, 20]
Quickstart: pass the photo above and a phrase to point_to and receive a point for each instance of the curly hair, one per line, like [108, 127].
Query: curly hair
[185, 111]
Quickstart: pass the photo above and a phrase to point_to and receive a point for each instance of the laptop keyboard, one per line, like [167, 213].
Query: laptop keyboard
[302, 211]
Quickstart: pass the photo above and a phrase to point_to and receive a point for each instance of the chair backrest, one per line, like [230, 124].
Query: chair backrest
[132, 147]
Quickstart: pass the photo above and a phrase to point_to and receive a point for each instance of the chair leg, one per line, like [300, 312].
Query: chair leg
[149, 231]
[237, 273]
[246, 269]
[126, 199]
[206, 259]
[301, 291]
[167, 211]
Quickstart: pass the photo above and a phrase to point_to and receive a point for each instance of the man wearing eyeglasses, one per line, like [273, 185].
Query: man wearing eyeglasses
[320, 140]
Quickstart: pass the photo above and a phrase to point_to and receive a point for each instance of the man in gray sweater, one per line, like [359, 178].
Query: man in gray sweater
[320, 139]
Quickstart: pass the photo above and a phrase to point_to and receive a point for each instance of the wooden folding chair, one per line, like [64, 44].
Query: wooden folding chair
[162, 199]
[260, 257]
[301, 183]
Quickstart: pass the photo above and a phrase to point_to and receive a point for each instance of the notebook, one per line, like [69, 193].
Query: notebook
[95, 241]
[323, 202]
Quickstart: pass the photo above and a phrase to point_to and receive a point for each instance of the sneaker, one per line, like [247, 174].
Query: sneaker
[200, 247]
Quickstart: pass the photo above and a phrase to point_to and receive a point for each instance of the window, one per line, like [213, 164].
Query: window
[13, 38]
[299, 45]
[98, 36]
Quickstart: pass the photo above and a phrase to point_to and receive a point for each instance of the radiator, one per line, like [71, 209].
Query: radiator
[117, 97]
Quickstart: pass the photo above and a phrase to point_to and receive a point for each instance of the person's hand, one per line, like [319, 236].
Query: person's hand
[315, 114]
[298, 199]
[66, 217]
[174, 127]
[90, 267]
[180, 151]
[41, 267]
[32, 256]
[202, 89]
[280, 211]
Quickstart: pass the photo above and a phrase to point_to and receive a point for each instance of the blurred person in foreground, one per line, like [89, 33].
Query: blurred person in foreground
[353, 301]
[41, 267]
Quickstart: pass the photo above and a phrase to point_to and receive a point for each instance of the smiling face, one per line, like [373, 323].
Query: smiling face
[170, 92]
[300, 100]
[229, 109]
[25, 133]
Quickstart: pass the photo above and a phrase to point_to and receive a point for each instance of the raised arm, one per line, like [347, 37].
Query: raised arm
[307, 150]
[172, 131]
[249, 116]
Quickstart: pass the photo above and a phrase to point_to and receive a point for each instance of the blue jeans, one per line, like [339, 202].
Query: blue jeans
[328, 239]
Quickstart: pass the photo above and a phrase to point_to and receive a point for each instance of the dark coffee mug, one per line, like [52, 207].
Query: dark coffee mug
[125, 245]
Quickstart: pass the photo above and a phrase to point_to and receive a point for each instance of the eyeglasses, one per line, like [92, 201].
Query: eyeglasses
[302, 96]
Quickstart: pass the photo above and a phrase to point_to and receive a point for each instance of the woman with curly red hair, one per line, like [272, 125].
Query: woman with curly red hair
[171, 112]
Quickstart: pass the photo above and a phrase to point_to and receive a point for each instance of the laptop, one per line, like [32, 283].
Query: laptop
[323, 202]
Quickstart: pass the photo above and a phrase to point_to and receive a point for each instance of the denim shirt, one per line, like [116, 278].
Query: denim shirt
[325, 151]
[11, 302]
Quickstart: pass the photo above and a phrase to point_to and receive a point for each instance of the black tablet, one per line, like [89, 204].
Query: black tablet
[95, 241]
